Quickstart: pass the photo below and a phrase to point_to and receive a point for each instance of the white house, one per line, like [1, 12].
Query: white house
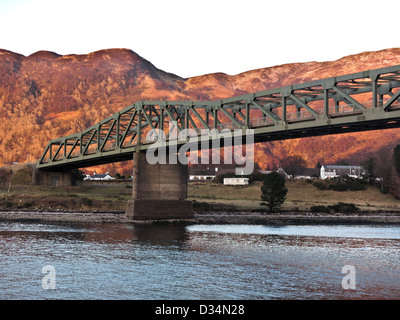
[236, 181]
[202, 174]
[97, 176]
[332, 171]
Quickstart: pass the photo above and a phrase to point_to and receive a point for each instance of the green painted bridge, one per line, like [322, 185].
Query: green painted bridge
[361, 101]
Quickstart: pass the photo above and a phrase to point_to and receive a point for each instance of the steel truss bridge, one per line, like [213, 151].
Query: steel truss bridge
[361, 101]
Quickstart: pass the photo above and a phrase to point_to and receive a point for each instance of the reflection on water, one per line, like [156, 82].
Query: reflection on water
[346, 231]
[198, 261]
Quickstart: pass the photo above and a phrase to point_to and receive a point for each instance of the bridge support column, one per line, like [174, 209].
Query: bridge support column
[159, 191]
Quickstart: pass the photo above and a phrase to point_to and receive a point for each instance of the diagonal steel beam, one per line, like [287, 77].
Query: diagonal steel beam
[127, 129]
[106, 137]
[267, 113]
[150, 122]
[389, 103]
[58, 150]
[89, 142]
[173, 119]
[303, 105]
[199, 117]
[230, 116]
[45, 152]
[73, 147]
[354, 102]
[189, 117]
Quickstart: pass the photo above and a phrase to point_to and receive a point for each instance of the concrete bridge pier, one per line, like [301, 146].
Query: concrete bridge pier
[159, 191]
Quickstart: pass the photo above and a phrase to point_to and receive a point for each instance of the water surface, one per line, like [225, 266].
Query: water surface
[198, 261]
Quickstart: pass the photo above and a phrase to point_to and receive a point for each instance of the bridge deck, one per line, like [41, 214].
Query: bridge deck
[362, 101]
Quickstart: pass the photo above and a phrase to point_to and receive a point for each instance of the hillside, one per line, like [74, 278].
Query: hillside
[46, 95]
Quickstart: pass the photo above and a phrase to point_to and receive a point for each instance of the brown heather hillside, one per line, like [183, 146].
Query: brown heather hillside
[45, 96]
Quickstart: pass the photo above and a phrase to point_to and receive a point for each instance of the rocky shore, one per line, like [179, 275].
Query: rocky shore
[287, 218]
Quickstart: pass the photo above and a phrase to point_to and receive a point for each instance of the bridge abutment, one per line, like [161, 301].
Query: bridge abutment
[52, 178]
[159, 191]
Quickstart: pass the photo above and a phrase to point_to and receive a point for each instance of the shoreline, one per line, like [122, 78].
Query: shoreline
[281, 219]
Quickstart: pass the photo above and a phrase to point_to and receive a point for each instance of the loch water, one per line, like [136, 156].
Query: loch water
[175, 261]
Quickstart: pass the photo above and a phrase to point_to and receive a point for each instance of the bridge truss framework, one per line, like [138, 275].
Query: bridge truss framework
[361, 101]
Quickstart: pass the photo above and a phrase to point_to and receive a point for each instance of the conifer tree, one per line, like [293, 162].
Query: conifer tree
[273, 191]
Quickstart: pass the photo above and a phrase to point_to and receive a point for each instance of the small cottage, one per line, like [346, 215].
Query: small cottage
[236, 181]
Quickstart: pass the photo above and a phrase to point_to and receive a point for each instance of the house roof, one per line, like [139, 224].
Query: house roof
[342, 167]
[99, 175]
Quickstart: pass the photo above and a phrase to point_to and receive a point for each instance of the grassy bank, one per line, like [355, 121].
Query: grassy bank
[112, 197]
[86, 197]
[301, 196]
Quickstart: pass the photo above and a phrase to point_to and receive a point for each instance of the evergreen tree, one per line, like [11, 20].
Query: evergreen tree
[273, 191]
[394, 185]
[293, 165]
[396, 158]
[369, 166]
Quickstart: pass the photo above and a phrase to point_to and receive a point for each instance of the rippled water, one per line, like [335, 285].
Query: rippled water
[198, 261]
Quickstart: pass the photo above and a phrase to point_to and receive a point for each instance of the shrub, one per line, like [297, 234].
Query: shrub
[347, 183]
[354, 184]
[320, 185]
[384, 190]
[201, 206]
[357, 187]
[77, 176]
[87, 202]
[4, 176]
[22, 176]
[7, 204]
[338, 187]
[320, 209]
[256, 176]
[25, 204]
[344, 207]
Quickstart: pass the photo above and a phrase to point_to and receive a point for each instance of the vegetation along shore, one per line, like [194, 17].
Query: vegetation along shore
[306, 203]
